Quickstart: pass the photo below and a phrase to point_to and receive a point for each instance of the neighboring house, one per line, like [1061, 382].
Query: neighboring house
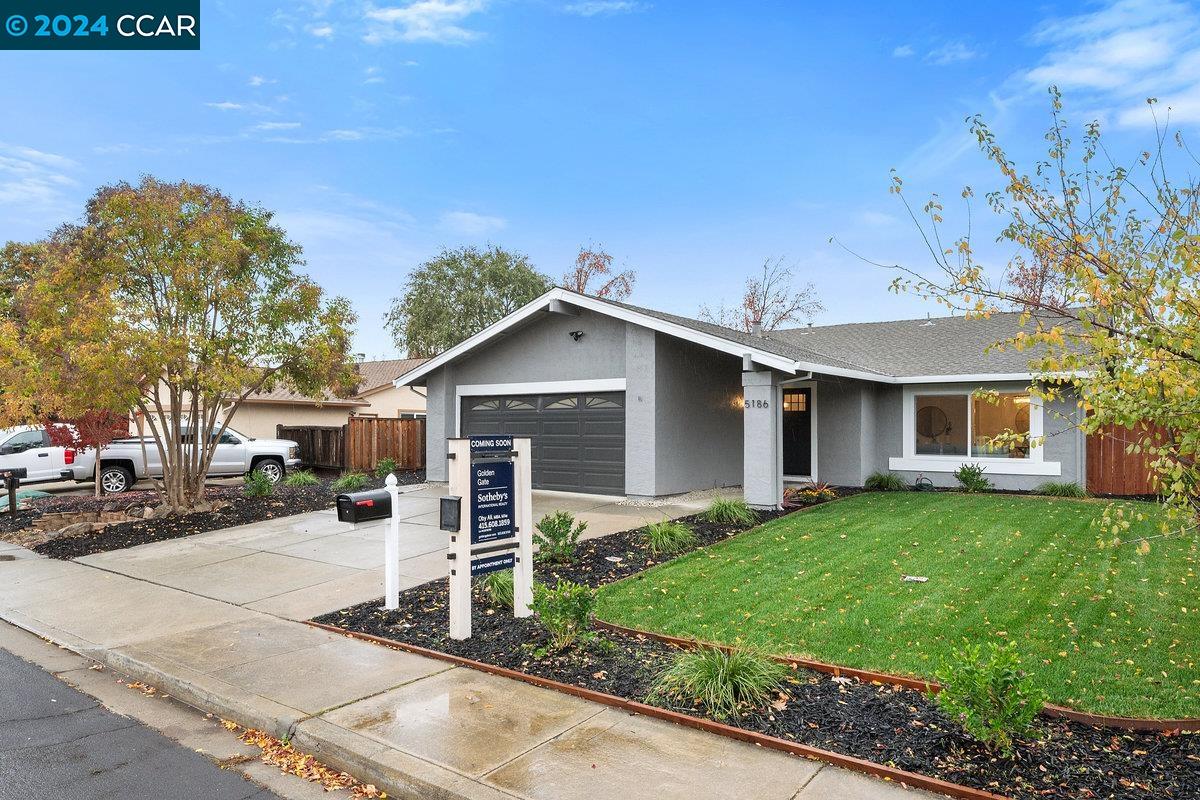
[626, 400]
[377, 397]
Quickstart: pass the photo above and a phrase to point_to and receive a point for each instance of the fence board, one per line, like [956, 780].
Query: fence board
[371, 439]
[320, 446]
[1111, 470]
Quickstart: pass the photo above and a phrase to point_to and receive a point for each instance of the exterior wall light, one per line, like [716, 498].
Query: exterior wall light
[576, 335]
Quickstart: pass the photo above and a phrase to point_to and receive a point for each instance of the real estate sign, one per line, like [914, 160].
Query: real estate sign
[493, 506]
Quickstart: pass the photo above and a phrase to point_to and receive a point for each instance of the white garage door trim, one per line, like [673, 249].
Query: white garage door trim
[541, 387]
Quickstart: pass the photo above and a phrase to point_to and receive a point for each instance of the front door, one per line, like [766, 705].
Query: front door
[797, 432]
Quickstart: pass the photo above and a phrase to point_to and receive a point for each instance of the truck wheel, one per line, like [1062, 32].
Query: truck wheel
[115, 480]
[271, 469]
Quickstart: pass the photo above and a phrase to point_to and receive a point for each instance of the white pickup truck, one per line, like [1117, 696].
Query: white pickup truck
[121, 461]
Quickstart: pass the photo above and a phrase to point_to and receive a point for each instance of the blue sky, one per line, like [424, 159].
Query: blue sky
[692, 140]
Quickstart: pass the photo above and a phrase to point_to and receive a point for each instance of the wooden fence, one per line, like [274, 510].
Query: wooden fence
[360, 444]
[1111, 470]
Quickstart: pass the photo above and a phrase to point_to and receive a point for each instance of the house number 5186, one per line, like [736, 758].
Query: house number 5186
[756, 403]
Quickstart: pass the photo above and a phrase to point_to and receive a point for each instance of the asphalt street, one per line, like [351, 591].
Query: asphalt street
[57, 743]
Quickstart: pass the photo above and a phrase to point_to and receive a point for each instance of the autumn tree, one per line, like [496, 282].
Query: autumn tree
[593, 275]
[185, 299]
[1120, 245]
[772, 300]
[458, 293]
[91, 430]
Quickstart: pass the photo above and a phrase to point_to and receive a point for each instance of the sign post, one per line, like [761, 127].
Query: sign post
[491, 478]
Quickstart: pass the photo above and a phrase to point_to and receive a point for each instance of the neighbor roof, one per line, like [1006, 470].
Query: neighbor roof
[904, 351]
[282, 394]
[376, 375]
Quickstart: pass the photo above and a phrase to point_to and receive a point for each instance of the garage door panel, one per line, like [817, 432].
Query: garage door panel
[578, 440]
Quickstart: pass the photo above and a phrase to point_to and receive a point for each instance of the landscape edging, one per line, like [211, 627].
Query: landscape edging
[892, 774]
[1049, 709]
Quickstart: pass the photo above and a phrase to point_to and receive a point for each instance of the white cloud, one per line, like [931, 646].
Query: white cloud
[32, 178]
[468, 223]
[593, 8]
[1121, 54]
[950, 53]
[259, 80]
[276, 126]
[876, 219]
[323, 31]
[225, 105]
[903, 51]
[437, 21]
[373, 75]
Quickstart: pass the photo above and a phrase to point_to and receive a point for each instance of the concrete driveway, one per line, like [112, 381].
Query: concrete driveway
[300, 566]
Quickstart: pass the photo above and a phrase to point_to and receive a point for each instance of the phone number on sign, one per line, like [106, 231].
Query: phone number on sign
[127, 25]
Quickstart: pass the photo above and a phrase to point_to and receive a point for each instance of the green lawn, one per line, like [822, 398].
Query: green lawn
[1105, 630]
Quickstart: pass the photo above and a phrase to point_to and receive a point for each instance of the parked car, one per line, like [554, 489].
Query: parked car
[121, 462]
[28, 447]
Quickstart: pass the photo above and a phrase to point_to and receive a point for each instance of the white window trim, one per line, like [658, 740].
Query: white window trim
[812, 410]
[1035, 464]
[538, 387]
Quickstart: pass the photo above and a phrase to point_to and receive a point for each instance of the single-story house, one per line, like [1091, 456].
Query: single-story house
[632, 401]
[377, 396]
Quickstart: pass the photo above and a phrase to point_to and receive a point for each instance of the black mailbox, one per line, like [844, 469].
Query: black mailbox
[363, 506]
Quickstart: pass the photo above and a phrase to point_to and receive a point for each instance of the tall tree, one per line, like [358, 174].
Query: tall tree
[593, 275]
[772, 299]
[458, 293]
[195, 303]
[1121, 244]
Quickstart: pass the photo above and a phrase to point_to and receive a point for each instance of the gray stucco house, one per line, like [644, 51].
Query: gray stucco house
[631, 401]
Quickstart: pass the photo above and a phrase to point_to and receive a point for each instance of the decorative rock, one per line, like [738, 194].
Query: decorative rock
[75, 529]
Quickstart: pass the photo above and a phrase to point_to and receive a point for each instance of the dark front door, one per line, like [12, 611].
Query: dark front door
[797, 432]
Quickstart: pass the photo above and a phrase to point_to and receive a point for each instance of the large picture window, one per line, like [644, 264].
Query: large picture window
[966, 425]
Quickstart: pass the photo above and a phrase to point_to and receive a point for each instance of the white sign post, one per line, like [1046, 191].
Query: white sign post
[491, 479]
[391, 549]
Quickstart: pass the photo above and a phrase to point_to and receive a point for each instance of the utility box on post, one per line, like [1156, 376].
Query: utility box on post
[364, 506]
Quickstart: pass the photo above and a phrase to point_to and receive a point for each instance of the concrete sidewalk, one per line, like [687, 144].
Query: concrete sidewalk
[416, 726]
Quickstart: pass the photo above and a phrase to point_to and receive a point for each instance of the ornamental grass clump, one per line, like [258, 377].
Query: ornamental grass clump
[730, 511]
[668, 538]
[723, 682]
[385, 467]
[971, 478]
[257, 484]
[986, 691]
[1061, 489]
[557, 536]
[565, 610]
[350, 482]
[301, 478]
[498, 586]
[885, 482]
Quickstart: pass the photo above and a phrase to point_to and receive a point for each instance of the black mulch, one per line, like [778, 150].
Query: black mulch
[885, 724]
[240, 510]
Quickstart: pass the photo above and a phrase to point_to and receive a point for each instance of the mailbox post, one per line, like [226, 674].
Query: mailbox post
[490, 478]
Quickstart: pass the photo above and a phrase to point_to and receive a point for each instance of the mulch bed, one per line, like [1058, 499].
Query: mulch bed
[885, 724]
[237, 510]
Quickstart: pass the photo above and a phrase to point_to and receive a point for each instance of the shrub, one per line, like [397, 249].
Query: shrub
[499, 587]
[385, 467]
[988, 693]
[971, 478]
[885, 482]
[257, 485]
[809, 495]
[557, 535]
[301, 478]
[350, 482]
[730, 511]
[667, 537]
[1061, 489]
[723, 681]
[565, 610]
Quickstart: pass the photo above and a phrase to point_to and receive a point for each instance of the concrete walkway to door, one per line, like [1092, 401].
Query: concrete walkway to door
[308, 564]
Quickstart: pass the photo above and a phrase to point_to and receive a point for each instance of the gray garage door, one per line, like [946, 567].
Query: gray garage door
[578, 439]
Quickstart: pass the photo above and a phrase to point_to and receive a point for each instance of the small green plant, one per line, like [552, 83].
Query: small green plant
[667, 537]
[970, 477]
[301, 478]
[498, 586]
[808, 495]
[385, 467]
[730, 511]
[350, 482]
[1061, 489]
[986, 691]
[257, 484]
[885, 482]
[723, 681]
[557, 535]
[565, 610]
